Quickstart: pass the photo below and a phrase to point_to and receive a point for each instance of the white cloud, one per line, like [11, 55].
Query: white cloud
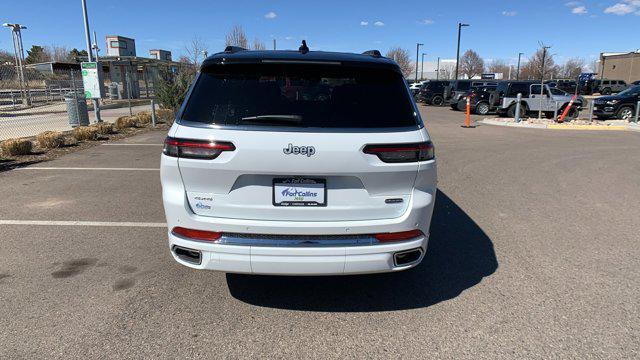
[623, 8]
[289, 38]
[579, 10]
[364, 23]
[270, 15]
[426, 22]
[573, 4]
[509, 13]
[378, 23]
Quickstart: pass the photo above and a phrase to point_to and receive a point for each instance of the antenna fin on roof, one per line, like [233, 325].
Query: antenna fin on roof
[303, 48]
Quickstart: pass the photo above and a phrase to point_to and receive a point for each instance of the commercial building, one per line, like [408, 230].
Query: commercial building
[160, 54]
[620, 66]
[120, 46]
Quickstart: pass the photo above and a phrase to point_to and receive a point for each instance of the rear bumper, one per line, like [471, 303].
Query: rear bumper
[298, 260]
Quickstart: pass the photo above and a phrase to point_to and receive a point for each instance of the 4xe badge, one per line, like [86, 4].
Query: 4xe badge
[299, 150]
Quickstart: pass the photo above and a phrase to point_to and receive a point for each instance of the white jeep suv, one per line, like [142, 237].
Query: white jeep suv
[298, 163]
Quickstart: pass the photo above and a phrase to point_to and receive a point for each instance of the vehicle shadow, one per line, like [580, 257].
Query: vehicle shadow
[459, 256]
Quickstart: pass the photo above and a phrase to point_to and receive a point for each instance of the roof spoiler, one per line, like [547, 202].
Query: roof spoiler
[234, 49]
[374, 53]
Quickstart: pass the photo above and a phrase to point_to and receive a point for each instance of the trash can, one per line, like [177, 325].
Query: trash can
[114, 91]
[77, 110]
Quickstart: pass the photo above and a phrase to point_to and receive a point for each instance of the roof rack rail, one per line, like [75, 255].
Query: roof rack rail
[233, 49]
[374, 53]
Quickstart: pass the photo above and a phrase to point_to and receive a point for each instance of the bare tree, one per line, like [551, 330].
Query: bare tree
[194, 51]
[258, 45]
[499, 67]
[471, 64]
[447, 69]
[572, 68]
[58, 53]
[6, 58]
[402, 57]
[532, 69]
[236, 37]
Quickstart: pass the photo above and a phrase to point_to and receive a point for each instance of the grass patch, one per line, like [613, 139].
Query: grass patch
[144, 118]
[165, 115]
[124, 122]
[104, 128]
[50, 139]
[82, 133]
[14, 147]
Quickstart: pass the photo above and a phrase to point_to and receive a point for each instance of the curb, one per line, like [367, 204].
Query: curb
[630, 127]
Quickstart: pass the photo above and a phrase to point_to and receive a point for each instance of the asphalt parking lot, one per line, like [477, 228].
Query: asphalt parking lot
[534, 253]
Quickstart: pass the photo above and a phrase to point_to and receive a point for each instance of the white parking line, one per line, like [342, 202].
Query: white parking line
[86, 168]
[83, 223]
[132, 144]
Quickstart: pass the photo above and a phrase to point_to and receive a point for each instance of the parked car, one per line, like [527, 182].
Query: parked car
[415, 87]
[636, 82]
[567, 85]
[260, 180]
[459, 88]
[433, 92]
[482, 99]
[621, 106]
[607, 87]
[548, 100]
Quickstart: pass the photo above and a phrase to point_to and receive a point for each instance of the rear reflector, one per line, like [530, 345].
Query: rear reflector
[401, 153]
[196, 234]
[195, 149]
[398, 236]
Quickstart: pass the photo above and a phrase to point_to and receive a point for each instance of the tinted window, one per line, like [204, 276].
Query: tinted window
[301, 96]
[522, 88]
[462, 86]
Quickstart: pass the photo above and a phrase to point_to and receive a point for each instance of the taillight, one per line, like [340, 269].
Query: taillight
[398, 236]
[400, 153]
[195, 149]
[196, 234]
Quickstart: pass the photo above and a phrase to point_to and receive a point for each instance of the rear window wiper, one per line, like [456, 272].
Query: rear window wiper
[273, 119]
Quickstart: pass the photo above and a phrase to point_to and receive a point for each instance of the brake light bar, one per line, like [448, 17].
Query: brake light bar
[195, 149]
[193, 234]
[402, 153]
[398, 236]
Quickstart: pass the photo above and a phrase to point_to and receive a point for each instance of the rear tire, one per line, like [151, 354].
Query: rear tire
[511, 112]
[437, 100]
[573, 112]
[625, 113]
[482, 108]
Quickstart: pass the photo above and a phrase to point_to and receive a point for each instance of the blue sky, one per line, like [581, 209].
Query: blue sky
[499, 29]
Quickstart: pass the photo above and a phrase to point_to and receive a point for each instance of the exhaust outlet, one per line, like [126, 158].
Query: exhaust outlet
[407, 257]
[188, 255]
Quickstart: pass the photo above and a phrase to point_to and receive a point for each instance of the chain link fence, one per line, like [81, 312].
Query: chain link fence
[33, 101]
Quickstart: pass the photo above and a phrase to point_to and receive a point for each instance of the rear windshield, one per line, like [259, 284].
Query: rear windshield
[297, 95]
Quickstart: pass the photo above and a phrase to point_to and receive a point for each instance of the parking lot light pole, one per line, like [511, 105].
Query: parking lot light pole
[18, 53]
[422, 67]
[518, 70]
[417, 53]
[438, 69]
[460, 26]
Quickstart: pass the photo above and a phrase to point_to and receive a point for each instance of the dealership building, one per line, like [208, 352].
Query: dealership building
[620, 66]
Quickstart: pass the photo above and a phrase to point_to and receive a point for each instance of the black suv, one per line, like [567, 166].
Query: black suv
[433, 92]
[459, 88]
[482, 99]
[622, 105]
[567, 85]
